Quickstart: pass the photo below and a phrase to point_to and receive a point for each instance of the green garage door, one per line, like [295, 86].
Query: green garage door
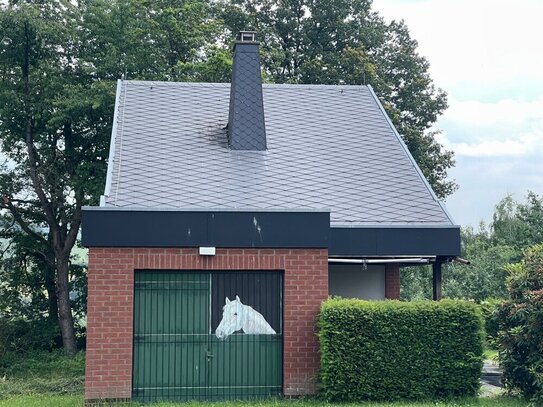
[207, 336]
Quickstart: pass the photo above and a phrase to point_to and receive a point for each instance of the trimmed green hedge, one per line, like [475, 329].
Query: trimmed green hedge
[391, 350]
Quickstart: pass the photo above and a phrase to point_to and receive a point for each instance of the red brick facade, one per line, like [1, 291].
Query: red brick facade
[392, 281]
[110, 308]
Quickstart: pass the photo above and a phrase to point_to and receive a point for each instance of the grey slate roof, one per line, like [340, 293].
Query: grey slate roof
[329, 147]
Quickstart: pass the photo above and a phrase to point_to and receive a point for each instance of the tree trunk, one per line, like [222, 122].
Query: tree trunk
[65, 318]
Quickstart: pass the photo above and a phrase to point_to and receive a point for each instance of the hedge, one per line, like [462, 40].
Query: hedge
[392, 350]
[490, 310]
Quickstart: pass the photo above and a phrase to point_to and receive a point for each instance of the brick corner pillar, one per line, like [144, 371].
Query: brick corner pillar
[392, 281]
[306, 287]
[108, 367]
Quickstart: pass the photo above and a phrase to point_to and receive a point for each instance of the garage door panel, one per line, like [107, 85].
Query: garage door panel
[250, 365]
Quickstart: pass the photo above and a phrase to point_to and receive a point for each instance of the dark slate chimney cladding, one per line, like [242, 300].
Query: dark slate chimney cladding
[246, 128]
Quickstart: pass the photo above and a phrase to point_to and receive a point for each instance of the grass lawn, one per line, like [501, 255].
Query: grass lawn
[45, 374]
[490, 353]
[42, 401]
[49, 379]
[69, 401]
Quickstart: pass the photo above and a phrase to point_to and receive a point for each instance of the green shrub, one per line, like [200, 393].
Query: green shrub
[390, 350]
[19, 336]
[54, 364]
[490, 310]
[520, 339]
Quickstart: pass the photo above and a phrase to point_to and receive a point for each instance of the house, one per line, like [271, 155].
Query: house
[230, 213]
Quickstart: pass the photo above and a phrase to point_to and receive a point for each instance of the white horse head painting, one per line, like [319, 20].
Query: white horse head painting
[236, 316]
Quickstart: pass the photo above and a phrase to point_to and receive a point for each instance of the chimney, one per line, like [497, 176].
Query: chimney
[246, 128]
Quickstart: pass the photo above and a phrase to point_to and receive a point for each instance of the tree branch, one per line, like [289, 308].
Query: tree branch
[21, 222]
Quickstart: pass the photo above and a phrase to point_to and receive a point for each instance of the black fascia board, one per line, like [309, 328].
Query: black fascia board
[114, 227]
[387, 240]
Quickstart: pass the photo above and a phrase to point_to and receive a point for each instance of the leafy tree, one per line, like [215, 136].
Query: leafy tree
[416, 283]
[54, 129]
[217, 67]
[484, 278]
[521, 326]
[519, 225]
[59, 61]
[26, 268]
[333, 42]
[143, 39]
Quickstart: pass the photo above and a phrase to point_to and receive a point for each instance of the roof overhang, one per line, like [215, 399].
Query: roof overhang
[257, 228]
[395, 240]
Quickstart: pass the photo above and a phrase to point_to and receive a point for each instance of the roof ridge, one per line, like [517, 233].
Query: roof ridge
[225, 84]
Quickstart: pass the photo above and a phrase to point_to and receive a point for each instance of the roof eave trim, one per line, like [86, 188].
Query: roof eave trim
[393, 226]
[197, 209]
[109, 176]
[408, 153]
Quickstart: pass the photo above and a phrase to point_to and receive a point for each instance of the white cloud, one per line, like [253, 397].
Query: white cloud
[482, 43]
[504, 128]
[487, 55]
[507, 112]
[526, 144]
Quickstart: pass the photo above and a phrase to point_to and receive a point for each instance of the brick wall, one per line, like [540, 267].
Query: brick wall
[392, 281]
[110, 308]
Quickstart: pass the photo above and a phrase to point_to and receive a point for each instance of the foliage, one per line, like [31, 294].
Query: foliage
[58, 64]
[490, 310]
[143, 39]
[54, 132]
[27, 286]
[344, 41]
[485, 277]
[216, 68]
[41, 372]
[399, 350]
[19, 336]
[518, 225]
[521, 326]
[416, 283]
[43, 364]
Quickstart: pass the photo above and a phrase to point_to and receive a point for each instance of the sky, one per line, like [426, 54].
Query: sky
[488, 56]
